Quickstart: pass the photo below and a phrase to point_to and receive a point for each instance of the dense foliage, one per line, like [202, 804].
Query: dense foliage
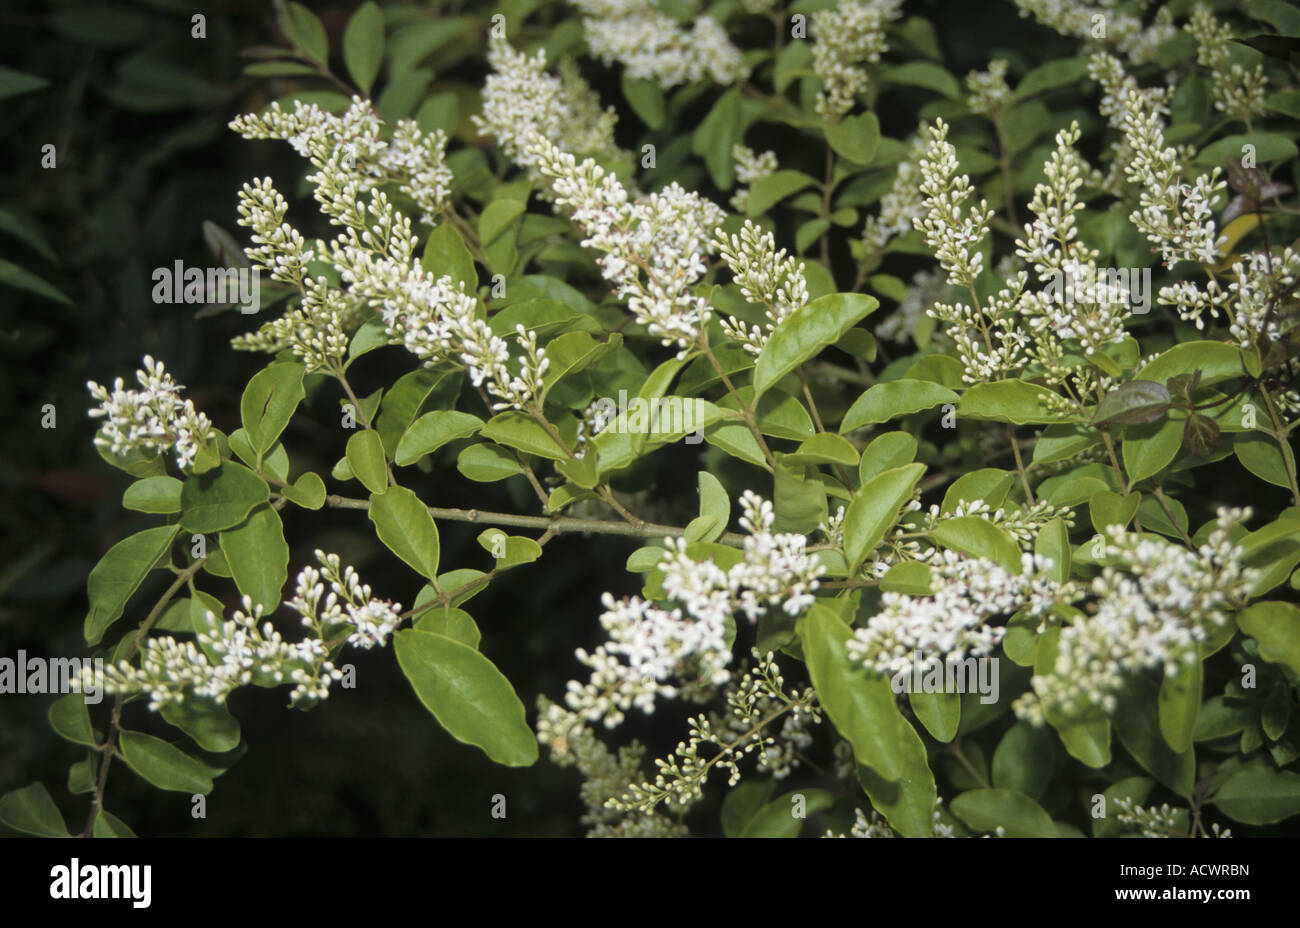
[937, 396]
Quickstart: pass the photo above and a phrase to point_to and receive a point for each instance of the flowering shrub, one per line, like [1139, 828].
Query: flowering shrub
[981, 507]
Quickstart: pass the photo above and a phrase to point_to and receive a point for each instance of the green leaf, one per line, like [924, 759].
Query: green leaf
[910, 577]
[485, 463]
[1261, 455]
[1133, 403]
[573, 352]
[363, 45]
[509, 550]
[884, 401]
[524, 433]
[1149, 449]
[304, 29]
[1259, 795]
[715, 507]
[32, 811]
[308, 491]
[1011, 401]
[875, 508]
[13, 83]
[119, 574]
[269, 402]
[646, 100]
[447, 620]
[403, 523]
[467, 695]
[1050, 76]
[164, 765]
[1108, 508]
[1025, 760]
[716, 135]
[1200, 435]
[433, 430]
[800, 502]
[1138, 726]
[404, 400]
[211, 726]
[924, 74]
[258, 556]
[742, 802]
[445, 254]
[1269, 146]
[1217, 361]
[71, 720]
[221, 498]
[979, 537]
[805, 332]
[768, 191]
[907, 802]
[856, 138]
[365, 454]
[861, 707]
[108, 825]
[159, 495]
[940, 713]
[892, 449]
[15, 275]
[1179, 705]
[825, 448]
[777, 818]
[497, 217]
[986, 810]
[1276, 626]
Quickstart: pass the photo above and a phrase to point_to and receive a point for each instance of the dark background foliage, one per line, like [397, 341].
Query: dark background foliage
[137, 110]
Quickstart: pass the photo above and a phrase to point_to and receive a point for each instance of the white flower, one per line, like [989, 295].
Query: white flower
[153, 419]
[952, 623]
[651, 46]
[652, 247]
[765, 276]
[844, 38]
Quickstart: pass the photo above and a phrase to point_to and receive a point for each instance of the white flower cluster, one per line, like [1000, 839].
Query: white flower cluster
[844, 38]
[230, 655]
[520, 99]
[153, 419]
[927, 288]
[650, 645]
[876, 827]
[901, 206]
[653, 247]
[952, 229]
[1104, 24]
[989, 339]
[751, 167]
[754, 702]
[1247, 298]
[652, 46]
[953, 622]
[348, 607]
[1175, 216]
[1237, 92]
[1081, 306]
[988, 89]
[415, 162]
[1152, 822]
[765, 276]
[246, 650]
[1155, 603]
[605, 775]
